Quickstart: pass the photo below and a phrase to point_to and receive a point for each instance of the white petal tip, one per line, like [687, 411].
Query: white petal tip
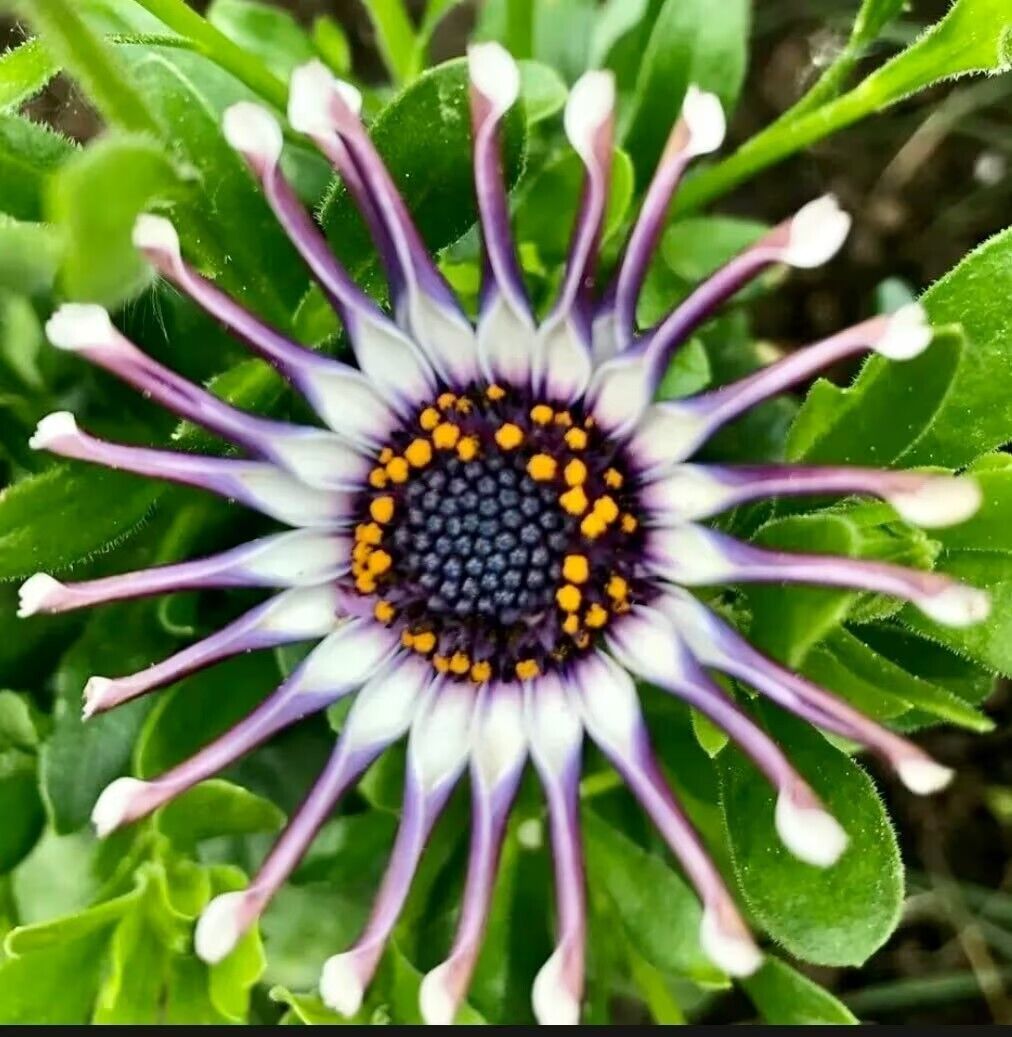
[494, 74]
[923, 776]
[77, 325]
[817, 232]
[590, 104]
[115, 803]
[37, 594]
[907, 333]
[156, 234]
[703, 114]
[220, 927]
[98, 696]
[939, 501]
[734, 952]
[957, 606]
[341, 986]
[52, 428]
[253, 131]
[812, 835]
[435, 999]
[311, 91]
[553, 1002]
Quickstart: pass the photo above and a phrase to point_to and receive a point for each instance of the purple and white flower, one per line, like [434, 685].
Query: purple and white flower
[493, 530]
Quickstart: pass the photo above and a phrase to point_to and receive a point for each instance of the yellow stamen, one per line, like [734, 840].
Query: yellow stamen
[576, 439]
[419, 453]
[592, 526]
[568, 597]
[527, 669]
[398, 470]
[574, 501]
[407, 638]
[564, 419]
[481, 672]
[368, 533]
[613, 478]
[441, 663]
[495, 392]
[606, 508]
[445, 435]
[464, 405]
[467, 448]
[382, 509]
[365, 583]
[460, 663]
[379, 562]
[618, 588]
[575, 473]
[596, 617]
[629, 523]
[509, 436]
[385, 454]
[377, 478]
[360, 552]
[429, 419]
[446, 400]
[575, 568]
[384, 611]
[541, 414]
[542, 467]
[571, 623]
[425, 642]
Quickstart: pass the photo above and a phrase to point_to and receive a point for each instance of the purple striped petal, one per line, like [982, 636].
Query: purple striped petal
[296, 615]
[555, 734]
[299, 558]
[499, 749]
[343, 397]
[257, 484]
[340, 664]
[695, 556]
[671, 432]
[717, 644]
[687, 491]
[645, 642]
[327, 110]
[612, 715]
[318, 458]
[564, 340]
[381, 714]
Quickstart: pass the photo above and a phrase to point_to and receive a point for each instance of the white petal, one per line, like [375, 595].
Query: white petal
[447, 338]
[441, 736]
[500, 740]
[392, 362]
[436, 1001]
[220, 927]
[645, 643]
[341, 986]
[320, 459]
[36, 592]
[287, 498]
[923, 776]
[348, 657]
[97, 692]
[956, 606]
[157, 234]
[80, 325]
[303, 613]
[907, 333]
[811, 834]
[494, 73]
[604, 336]
[553, 1001]
[303, 556]
[252, 130]
[668, 434]
[564, 360]
[590, 103]
[311, 88]
[384, 708]
[620, 393]
[113, 805]
[349, 403]
[688, 555]
[611, 709]
[60, 425]
[688, 492]
[732, 951]
[507, 344]
[817, 231]
[939, 501]
[553, 724]
[704, 116]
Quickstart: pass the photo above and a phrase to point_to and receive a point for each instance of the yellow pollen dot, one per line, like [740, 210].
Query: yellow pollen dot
[574, 501]
[419, 453]
[571, 623]
[568, 597]
[606, 508]
[460, 663]
[365, 583]
[379, 562]
[613, 478]
[446, 400]
[563, 419]
[445, 435]
[576, 439]
[441, 663]
[384, 611]
[425, 642]
[509, 436]
[541, 414]
[575, 473]
[596, 617]
[481, 672]
[589, 422]
[407, 638]
[495, 392]
[622, 607]
[385, 454]
[360, 552]
[582, 639]
[467, 448]
[618, 588]
[592, 526]
[575, 568]
[464, 405]
[542, 467]
[377, 478]
[382, 509]
[368, 533]
[629, 523]
[398, 470]
[429, 419]
[527, 669]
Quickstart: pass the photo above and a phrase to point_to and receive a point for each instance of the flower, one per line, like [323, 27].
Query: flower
[493, 535]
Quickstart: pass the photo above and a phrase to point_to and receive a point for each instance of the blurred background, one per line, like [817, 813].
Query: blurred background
[927, 182]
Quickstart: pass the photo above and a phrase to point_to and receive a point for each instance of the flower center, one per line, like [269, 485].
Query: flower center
[499, 534]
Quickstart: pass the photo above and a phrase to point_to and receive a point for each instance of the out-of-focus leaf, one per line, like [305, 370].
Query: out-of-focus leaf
[29, 256]
[269, 32]
[511, 23]
[562, 31]
[331, 42]
[542, 91]
[784, 997]
[395, 36]
[24, 71]
[833, 916]
[29, 153]
[688, 373]
[216, 808]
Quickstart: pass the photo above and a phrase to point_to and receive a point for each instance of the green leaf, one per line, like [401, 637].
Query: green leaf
[94, 200]
[511, 22]
[990, 529]
[655, 908]
[688, 373]
[395, 36]
[29, 153]
[686, 45]
[562, 31]
[216, 808]
[21, 808]
[24, 71]
[17, 726]
[784, 997]
[834, 916]
[542, 91]
[331, 42]
[272, 34]
[29, 256]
